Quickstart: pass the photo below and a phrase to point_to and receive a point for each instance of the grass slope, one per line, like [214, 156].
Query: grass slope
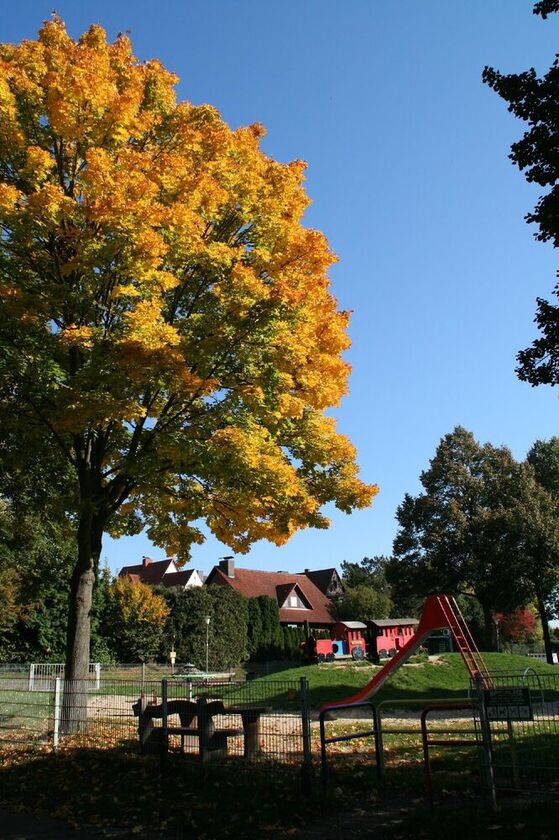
[444, 676]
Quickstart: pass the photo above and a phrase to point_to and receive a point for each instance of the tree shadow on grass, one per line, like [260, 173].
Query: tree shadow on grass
[120, 789]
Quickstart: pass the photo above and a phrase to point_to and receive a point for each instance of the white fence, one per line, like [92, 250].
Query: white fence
[42, 675]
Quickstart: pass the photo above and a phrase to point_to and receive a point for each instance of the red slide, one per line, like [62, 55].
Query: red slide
[440, 611]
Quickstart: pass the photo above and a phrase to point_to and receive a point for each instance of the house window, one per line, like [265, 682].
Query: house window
[293, 600]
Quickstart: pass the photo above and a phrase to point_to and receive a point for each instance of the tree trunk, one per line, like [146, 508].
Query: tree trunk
[545, 628]
[489, 627]
[76, 684]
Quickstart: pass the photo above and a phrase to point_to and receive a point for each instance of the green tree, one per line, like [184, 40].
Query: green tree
[535, 101]
[544, 458]
[482, 526]
[371, 571]
[254, 628]
[362, 603]
[186, 626]
[166, 324]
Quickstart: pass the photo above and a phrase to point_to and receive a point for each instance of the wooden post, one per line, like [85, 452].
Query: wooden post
[31, 681]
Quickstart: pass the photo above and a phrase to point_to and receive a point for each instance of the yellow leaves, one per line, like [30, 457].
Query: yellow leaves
[147, 328]
[38, 165]
[170, 251]
[49, 205]
[9, 196]
[74, 336]
[135, 600]
[119, 187]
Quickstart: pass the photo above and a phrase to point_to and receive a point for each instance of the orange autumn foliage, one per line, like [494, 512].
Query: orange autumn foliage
[165, 315]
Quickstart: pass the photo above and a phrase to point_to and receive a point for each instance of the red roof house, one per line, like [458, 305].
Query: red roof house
[299, 600]
[161, 573]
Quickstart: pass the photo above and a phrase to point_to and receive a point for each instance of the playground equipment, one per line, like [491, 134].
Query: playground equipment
[346, 642]
[440, 612]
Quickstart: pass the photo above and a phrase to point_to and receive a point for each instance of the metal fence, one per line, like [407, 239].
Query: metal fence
[518, 721]
[259, 721]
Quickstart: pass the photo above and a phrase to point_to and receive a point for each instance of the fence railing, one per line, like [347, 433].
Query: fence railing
[271, 716]
[518, 719]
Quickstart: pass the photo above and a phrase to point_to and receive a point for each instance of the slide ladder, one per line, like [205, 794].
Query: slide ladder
[464, 640]
[440, 612]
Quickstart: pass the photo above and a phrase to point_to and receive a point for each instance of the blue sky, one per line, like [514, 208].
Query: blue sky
[410, 181]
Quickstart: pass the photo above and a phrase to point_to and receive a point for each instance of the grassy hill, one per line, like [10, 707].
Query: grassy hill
[439, 677]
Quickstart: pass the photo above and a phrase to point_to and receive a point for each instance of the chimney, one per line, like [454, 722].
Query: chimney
[146, 561]
[227, 565]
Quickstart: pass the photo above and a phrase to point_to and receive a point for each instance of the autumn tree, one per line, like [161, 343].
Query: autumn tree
[134, 620]
[517, 627]
[166, 321]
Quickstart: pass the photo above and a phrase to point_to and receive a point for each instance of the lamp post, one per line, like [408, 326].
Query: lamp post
[496, 621]
[173, 656]
[207, 619]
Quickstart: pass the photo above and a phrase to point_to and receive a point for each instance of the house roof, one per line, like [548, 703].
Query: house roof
[178, 578]
[321, 577]
[152, 572]
[393, 622]
[251, 583]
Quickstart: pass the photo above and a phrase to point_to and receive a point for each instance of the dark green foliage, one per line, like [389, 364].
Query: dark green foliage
[535, 100]
[371, 571]
[266, 632]
[35, 557]
[361, 603]
[254, 629]
[268, 640]
[544, 458]
[546, 7]
[482, 526]
[37, 552]
[293, 637]
[186, 626]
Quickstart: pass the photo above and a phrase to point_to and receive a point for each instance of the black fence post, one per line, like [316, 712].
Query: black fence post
[164, 725]
[485, 727]
[306, 724]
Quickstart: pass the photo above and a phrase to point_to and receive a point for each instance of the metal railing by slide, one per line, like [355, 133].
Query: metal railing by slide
[368, 733]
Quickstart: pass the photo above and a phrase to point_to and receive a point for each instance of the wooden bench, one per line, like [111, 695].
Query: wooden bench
[212, 742]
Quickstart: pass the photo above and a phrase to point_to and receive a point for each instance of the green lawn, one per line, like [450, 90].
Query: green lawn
[443, 677]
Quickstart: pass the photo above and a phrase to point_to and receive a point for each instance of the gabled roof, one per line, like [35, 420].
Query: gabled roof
[322, 578]
[151, 572]
[251, 583]
[284, 590]
[178, 578]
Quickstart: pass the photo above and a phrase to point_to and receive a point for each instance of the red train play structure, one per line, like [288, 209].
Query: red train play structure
[347, 642]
